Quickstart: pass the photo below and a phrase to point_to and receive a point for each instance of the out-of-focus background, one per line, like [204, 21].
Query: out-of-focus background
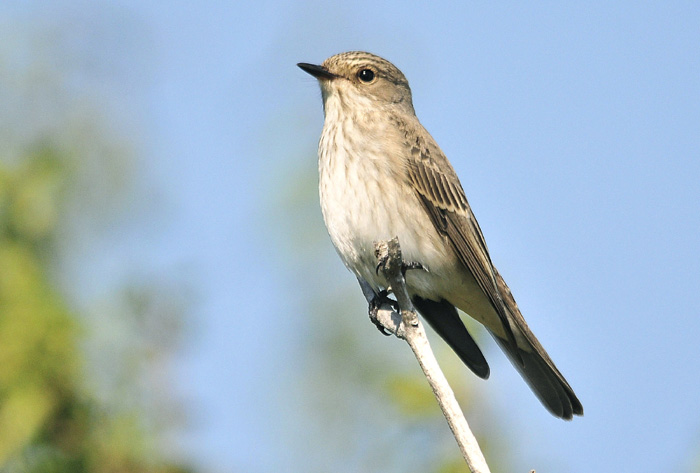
[170, 302]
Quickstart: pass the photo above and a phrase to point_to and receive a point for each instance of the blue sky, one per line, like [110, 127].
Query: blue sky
[575, 130]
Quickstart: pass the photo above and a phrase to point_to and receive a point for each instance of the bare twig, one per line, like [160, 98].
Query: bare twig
[408, 327]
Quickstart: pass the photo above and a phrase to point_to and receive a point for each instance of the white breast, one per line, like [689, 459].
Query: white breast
[365, 198]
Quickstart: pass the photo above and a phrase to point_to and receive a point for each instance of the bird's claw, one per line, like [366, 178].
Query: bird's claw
[374, 306]
[381, 264]
[405, 266]
[377, 323]
[412, 265]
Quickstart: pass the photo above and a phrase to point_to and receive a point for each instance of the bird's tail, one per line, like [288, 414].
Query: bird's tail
[534, 364]
[443, 317]
[544, 379]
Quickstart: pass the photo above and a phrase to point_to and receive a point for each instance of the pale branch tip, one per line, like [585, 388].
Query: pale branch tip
[408, 327]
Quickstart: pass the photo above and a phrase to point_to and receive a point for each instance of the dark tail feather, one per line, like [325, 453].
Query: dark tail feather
[443, 317]
[544, 379]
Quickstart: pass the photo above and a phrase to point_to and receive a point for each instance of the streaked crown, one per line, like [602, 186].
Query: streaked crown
[368, 75]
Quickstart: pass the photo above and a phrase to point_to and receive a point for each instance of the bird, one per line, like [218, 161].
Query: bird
[382, 175]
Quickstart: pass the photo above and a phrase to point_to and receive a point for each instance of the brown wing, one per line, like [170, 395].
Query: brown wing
[443, 198]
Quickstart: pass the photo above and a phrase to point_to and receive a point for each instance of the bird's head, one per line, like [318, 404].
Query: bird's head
[359, 80]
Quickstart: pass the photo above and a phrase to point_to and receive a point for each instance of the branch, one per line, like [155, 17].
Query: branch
[408, 327]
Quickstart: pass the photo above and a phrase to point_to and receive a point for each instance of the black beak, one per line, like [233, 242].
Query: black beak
[319, 72]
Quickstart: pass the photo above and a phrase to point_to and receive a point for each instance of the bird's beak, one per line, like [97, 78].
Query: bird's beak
[319, 72]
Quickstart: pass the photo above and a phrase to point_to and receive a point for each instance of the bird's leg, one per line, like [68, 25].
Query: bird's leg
[382, 262]
[375, 304]
[382, 297]
[376, 301]
[405, 265]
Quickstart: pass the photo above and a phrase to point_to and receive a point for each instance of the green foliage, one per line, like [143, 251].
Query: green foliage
[38, 335]
[49, 420]
[29, 196]
[68, 401]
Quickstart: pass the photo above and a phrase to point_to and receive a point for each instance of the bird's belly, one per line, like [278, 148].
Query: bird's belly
[361, 211]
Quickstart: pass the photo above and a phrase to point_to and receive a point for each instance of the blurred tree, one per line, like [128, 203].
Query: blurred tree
[49, 418]
[67, 403]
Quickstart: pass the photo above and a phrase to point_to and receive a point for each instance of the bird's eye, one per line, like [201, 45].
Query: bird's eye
[366, 75]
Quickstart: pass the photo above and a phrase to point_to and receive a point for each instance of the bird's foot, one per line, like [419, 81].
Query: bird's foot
[375, 304]
[407, 265]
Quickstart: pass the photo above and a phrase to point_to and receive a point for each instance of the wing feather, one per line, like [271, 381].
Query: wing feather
[444, 200]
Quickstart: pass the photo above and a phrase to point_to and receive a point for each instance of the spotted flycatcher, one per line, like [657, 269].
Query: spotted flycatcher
[382, 175]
